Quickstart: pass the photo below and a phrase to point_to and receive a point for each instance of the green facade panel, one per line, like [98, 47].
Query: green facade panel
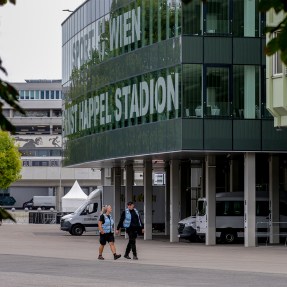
[192, 49]
[217, 50]
[153, 138]
[192, 134]
[217, 134]
[247, 135]
[245, 51]
[273, 139]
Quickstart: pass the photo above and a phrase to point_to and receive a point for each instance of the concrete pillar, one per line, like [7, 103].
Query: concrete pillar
[196, 186]
[106, 177]
[147, 200]
[175, 196]
[117, 194]
[249, 200]
[167, 199]
[102, 176]
[210, 185]
[274, 198]
[59, 195]
[129, 183]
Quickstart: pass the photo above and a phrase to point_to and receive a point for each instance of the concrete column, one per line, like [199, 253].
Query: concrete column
[175, 196]
[210, 185]
[102, 177]
[117, 194]
[274, 198]
[147, 200]
[167, 199]
[129, 183]
[196, 185]
[249, 200]
[106, 176]
[59, 195]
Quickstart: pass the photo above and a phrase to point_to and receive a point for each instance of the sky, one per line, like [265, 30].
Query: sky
[31, 38]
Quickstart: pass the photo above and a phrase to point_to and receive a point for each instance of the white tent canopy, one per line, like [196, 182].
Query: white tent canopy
[74, 198]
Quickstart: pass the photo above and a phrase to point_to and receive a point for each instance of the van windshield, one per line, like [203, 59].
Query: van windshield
[80, 208]
[201, 207]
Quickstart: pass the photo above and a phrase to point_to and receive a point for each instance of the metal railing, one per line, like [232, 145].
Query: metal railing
[35, 217]
[272, 230]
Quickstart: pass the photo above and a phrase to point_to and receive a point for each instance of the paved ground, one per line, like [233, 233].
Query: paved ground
[42, 255]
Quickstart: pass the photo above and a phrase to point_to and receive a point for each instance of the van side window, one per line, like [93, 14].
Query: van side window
[229, 208]
[93, 207]
[262, 208]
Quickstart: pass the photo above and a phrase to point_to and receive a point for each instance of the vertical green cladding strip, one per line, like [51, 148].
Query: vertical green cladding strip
[124, 101]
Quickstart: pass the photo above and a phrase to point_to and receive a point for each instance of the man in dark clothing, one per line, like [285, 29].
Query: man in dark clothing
[131, 221]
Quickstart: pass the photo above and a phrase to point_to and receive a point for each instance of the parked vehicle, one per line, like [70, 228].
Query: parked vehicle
[230, 215]
[85, 218]
[187, 228]
[43, 202]
[7, 200]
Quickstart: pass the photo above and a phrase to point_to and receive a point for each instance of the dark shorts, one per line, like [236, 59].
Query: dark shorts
[106, 237]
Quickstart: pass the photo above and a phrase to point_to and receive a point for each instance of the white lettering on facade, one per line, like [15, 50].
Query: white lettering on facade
[132, 101]
[125, 29]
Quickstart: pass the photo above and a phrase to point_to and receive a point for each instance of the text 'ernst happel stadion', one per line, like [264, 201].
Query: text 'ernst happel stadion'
[155, 96]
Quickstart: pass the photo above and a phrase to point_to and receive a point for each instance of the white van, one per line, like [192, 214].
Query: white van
[86, 217]
[187, 228]
[230, 215]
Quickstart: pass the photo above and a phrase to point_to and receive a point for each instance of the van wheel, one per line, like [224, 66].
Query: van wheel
[77, 230]
[228, 236]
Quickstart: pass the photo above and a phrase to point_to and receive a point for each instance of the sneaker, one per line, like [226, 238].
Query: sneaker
[127, 257]
[101, 257]
[117, 256]
[135, 257]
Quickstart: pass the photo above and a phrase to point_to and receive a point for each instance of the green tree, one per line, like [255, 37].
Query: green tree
[10, 166]
[8, 93]
[10, 160]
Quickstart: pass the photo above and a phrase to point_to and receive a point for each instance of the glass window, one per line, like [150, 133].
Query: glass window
[26, 95]
[246, 24]
[192, 17]
[217, 17]
[277, 62]
[42, 95]
[47, 95]
[40, 163]
[32, 95]
[22, 95]
[192, 91]
[246, 87]
[37, 95]
[52, 95]
[217, 91]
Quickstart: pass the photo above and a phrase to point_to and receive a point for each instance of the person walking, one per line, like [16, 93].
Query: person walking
[106, 228]
[131, 221]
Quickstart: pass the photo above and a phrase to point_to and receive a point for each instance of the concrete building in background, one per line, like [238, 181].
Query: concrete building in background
[39, 136]
[181, 85]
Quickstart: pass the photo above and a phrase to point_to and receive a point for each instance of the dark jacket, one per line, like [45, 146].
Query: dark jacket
[136, 222]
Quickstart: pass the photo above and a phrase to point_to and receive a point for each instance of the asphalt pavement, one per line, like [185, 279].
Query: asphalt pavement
[43, 255]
